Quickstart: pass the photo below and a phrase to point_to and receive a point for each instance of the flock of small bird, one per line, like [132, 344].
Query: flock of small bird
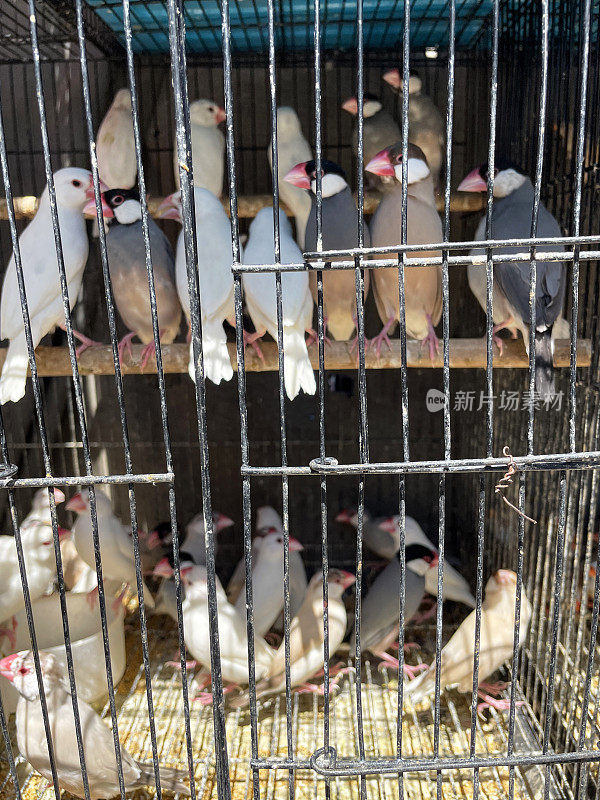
[297, 182]
[379, 627]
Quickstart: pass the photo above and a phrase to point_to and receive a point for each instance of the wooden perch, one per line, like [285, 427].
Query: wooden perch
[464, 353]
[248, 207]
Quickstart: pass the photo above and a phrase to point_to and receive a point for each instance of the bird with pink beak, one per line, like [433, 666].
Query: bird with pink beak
[215, 257]
[379, 130]
[98, 742]
[514, 198]
[267, 581]
[423, 286]
[37, 539]
[207, 145]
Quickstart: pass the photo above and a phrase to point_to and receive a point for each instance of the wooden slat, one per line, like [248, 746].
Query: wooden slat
[248, 207]
[464, 353]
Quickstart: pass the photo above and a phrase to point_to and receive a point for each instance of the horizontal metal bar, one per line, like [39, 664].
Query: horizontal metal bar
[250, 205]
[423, 261]
[330, 767]
[533, 463]
[464, 354]
[349, 767]
[86, 480]
[462, 245]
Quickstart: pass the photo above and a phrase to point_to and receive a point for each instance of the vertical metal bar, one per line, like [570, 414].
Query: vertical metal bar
[282, 416]
[177, 51]
[488, 380]
[362, 386]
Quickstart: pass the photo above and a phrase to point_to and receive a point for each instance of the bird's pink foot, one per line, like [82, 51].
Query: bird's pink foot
[493, 688]
[125, 346]
[147, 353]
[313, 338]
[389, 661]
[382, 337]
[408, 646]
[315, 688]
[92, 597]
[10, 634]
[494, 702]
[499, 343]
[206, 698]
[176, 663]
[253, 339]
[431, 339]
[86, 342]
[411, 670]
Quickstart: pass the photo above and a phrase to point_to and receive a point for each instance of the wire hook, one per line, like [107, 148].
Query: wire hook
[506, 480]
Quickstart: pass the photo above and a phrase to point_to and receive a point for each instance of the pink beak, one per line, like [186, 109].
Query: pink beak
[5, 667]
[168, 209]
[221, 115]
[90, 209]
[152, 540]
[297, 176]
[295, 546]
[163, 569]
[388, 525]
[344, 516]
[348, 578]
[381, 164]
[76, 503]
[351, 106]
[392, 77]
[222, 522]
[59, 496]
[473, 183]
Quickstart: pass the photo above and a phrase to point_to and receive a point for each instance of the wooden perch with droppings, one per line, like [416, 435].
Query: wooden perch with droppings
[464, 353]
[248, 207]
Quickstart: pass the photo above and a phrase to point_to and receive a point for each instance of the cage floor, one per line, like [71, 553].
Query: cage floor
[379, 709]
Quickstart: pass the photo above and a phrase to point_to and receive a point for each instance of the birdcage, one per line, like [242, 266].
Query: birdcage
[497, 478]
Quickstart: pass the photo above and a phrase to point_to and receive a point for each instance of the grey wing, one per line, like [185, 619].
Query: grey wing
[162, 252]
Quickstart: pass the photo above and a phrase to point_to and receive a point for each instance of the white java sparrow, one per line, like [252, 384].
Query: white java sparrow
[268, 521]
[233, 640]
[40, 272]
[339, 232]
[165, 600]
[98, 741]
[380, 609]
[426, 127]
[116, 544]
[511, 219]
[423, 285]
[192, 538]
[115, 144]
[382, 536]
[296, 299]
[292, 148]
[306, 635]
[129, 277]
[208, 146]
[496, 642]
[213, 238]
[380, 129]
[40, 562]
[267, 582]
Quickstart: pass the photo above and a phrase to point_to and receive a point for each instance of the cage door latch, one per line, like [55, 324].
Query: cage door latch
[323, 466]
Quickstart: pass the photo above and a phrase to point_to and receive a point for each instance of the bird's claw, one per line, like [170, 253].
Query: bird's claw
[431, 340]
[147, 353]
[86, 342]
[252, 339]
[125, 346]
[313, 338]
[177, 664]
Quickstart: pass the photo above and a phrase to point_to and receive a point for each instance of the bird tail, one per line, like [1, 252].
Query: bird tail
[171, 779]
[422, 686]
[545, 385]
[299, 373]
[217, 364]
[14, 371]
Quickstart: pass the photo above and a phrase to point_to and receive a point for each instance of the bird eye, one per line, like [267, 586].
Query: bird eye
[23, 670]
[76, 184]
[118, 199]
[211, 109]
[280, 540]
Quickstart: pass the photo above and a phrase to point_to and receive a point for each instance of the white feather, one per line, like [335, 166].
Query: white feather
[208, 148]
[115, 144]
[297, 304]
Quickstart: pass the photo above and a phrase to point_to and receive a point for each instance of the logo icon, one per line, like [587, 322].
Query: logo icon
[434, 400]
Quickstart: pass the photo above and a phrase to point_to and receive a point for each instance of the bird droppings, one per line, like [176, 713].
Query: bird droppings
[379, 693]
